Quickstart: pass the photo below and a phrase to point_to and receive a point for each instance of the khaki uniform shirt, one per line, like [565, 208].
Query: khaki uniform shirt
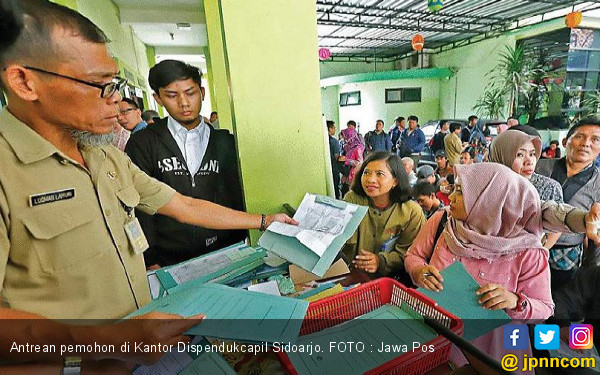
[387, 233]
[453, 147]
[64, 253]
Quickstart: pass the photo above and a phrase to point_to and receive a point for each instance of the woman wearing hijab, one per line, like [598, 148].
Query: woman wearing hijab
[479, 143]
[497, 239]
[520, 152]
[353, 152]
[486, 240]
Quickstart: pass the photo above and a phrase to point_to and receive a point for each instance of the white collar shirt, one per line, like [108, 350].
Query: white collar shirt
[192, 143]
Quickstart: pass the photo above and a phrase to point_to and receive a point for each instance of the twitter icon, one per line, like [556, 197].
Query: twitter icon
[547, 336]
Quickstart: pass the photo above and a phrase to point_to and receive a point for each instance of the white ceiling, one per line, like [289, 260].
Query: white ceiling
[155, 23]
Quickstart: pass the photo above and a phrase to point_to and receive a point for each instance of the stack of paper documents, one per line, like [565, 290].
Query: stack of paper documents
[325, 225]
[458, 297]
[234, 314]
[218, 266]
[381, 335]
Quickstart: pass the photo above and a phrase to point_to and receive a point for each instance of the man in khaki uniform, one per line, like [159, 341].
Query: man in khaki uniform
[452, 144]
[67, 196]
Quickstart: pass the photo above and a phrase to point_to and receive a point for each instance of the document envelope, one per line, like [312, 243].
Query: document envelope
[319, 225]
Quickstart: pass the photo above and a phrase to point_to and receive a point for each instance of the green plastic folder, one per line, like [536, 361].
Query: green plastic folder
[458, 297]
[291, 249]
[234, 314]
[220, 266]
[380, 336]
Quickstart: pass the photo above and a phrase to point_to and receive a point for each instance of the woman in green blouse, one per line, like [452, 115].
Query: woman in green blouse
[379, 244]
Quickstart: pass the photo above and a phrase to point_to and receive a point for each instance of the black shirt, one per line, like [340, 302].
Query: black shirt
[571, 185]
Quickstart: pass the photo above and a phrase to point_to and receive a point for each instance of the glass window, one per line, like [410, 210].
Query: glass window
[591, 80]
[575, 79]
[403, 95]
[350, 98]
[594, 60]
[393, 95]
[577, 60]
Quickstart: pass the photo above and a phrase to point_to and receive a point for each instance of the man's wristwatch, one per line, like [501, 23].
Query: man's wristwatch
[521, 303]
[72, 366]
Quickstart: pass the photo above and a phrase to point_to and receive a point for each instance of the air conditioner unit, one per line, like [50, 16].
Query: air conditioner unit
[423, 60]
[420, 60]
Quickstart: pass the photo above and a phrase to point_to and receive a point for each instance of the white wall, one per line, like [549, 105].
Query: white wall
[330, 105]
[373, 106]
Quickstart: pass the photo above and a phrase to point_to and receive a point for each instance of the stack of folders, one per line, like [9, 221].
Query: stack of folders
[222, 266]
[194, 287]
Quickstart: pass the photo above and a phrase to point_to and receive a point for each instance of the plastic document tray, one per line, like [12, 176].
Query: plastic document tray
[355, 302]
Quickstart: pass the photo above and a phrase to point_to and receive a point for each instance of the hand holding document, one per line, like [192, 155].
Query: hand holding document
[320, 221]
[234, 314]
[325, 225]
[458, 297]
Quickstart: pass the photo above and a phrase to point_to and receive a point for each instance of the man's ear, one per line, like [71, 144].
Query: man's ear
[564, 142]
[202, 93]
[157, 98]
[21, 81]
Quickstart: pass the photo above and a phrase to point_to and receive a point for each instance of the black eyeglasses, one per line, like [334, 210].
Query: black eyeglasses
[108, 89]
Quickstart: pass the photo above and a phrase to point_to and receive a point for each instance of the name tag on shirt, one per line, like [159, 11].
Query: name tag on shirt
[389, 245]
[51, 197]
[136, 236]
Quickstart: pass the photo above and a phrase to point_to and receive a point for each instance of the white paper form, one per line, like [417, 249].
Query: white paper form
[156, 289]
[320, 223]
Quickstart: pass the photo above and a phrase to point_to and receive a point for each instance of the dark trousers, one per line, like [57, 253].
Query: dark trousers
[336, 184]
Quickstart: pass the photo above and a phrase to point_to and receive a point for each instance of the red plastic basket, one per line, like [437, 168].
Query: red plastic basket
[358, 301]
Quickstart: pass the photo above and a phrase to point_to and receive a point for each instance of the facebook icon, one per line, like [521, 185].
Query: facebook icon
[516, 336]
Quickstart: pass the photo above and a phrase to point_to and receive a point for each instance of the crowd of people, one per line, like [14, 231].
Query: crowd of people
[489, 206]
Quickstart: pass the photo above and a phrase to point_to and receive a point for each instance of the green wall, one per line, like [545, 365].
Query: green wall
[336, 68]
[472, 63]
[68, 3]
[266, 69]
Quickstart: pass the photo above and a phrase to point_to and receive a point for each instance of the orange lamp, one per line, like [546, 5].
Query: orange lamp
[418, 42]
[573, 19]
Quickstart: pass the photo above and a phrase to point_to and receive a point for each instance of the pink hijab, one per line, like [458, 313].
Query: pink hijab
[352, 142]
[504, 214]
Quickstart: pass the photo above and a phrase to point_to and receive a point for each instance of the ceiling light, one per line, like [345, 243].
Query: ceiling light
[184, 26]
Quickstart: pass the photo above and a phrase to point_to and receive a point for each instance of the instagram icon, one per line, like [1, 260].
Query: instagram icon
[580, 336]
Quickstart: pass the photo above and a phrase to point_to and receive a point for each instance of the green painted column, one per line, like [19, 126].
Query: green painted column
[68, 3]
[211, 85]
[265, 70]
